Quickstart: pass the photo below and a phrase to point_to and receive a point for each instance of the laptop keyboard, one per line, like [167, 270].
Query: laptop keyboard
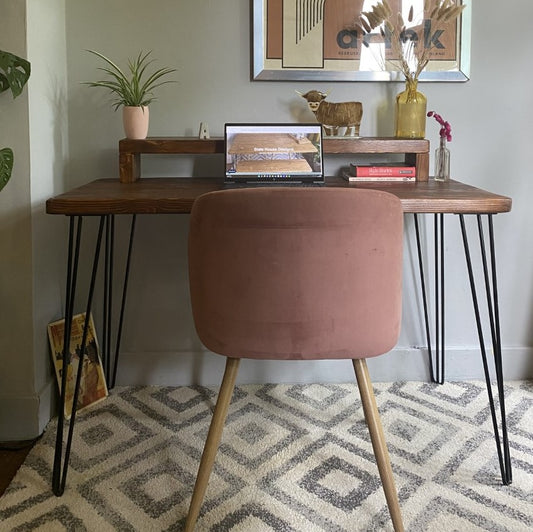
[284, 185]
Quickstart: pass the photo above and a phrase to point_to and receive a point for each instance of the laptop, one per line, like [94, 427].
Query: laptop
[273, 154]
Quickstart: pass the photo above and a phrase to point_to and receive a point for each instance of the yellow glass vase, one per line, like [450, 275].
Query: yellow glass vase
[411, 108]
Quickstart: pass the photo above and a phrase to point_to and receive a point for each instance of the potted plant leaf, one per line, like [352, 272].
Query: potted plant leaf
[132, 89]
[14, 74]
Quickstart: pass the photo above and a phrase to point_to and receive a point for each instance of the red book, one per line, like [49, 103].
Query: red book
[382, 179]
[382, 171]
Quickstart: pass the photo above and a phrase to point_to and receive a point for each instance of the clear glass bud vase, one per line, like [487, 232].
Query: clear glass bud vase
[442, 161]
[411, 112]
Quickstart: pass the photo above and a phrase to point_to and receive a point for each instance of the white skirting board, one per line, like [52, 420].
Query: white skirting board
[25, 417]
[402, 364]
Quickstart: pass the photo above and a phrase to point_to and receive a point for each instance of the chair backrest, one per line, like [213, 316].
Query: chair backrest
[296, 273]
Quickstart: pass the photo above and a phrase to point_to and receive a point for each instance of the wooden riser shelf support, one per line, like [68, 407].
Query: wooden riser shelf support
[416, 151]
[130, 151]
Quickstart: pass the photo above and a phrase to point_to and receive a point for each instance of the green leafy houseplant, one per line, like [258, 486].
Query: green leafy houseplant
[135, 88]
[14, 74]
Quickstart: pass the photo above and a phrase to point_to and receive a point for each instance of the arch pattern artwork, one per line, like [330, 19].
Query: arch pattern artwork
[309, 13]
[319, 40]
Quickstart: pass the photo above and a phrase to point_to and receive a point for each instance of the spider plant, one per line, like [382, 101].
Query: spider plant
[14, 74]
[134, 88]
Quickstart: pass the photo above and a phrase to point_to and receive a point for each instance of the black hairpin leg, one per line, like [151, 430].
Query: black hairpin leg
[108, 294]
[107, 359]
[123, 303]
[60, 468]
[491, 288]
[436, 359]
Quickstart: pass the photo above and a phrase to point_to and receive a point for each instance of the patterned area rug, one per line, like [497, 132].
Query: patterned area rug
[293, 458]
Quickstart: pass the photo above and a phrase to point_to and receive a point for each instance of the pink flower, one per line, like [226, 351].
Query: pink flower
[445, 130]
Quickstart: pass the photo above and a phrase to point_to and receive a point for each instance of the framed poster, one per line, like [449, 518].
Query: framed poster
[319, 40]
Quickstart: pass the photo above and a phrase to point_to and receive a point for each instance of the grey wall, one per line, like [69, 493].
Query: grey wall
[31, 243]
[16, 345]
[208, 42]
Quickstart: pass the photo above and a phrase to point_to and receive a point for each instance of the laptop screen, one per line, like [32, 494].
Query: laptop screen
[273, 153]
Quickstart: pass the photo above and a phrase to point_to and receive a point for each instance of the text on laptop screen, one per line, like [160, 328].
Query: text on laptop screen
[273, 151]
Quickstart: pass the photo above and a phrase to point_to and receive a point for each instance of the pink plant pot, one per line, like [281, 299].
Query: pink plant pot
[135, 120]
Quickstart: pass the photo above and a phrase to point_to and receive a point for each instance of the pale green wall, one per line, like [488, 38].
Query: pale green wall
[49, 154]
[208, 41]
[32, 244]
[17, 392]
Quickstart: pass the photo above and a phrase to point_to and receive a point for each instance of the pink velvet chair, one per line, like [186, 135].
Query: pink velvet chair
[296, 273]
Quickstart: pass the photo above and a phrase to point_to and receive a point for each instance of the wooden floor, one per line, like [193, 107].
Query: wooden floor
[12, 456]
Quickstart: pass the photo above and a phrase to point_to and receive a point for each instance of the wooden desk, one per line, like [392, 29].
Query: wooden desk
[177, 195]
[109, 197]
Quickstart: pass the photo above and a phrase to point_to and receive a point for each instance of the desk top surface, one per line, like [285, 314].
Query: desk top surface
[177, 195]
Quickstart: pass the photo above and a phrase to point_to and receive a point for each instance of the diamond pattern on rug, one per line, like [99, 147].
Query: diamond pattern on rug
[326, 408]
[157, 489]
[120, 432]
[292, 458]
[58, 519]
[447, 515]
[340, 483]
[428, 432]
[251, 517]
[319, 505]
[277, 433]
[464, 401]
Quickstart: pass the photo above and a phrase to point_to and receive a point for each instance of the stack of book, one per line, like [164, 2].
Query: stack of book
[395, 172]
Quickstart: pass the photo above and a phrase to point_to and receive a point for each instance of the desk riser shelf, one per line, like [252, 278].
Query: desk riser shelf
[416, 151]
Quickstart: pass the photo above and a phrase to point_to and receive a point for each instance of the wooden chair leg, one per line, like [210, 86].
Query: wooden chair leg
[213, 440]
[381, 453]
